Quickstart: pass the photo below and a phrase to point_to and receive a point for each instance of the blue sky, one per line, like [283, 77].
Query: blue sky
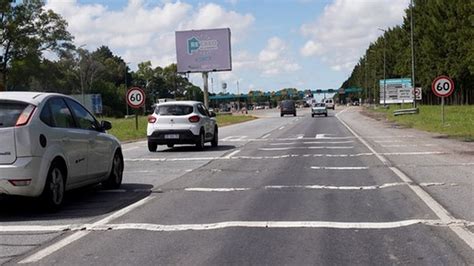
[306, 44]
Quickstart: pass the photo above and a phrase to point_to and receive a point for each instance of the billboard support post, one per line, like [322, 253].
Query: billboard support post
[206, 88]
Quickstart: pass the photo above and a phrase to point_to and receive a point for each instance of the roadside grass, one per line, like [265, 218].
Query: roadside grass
[458, 120]
[124, 129]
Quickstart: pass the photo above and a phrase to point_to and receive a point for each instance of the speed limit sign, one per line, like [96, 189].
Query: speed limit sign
[442, 86]
[135, 97]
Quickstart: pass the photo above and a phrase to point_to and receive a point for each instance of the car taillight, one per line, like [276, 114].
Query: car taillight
[151, 119]
[194, 119]
[25, 116]
[20, 182]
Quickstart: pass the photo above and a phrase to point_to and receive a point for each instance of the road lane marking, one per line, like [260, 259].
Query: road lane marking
[284, 156]
[328, 142]
[266, 136]
[228, 156]
[129, 149]
[87, 228]
[305, 148]
[339, 168]
[338, 187]
[280, 128]
[462, 232]
[301, 136]
[78, 235]
[319, 136]
[201, 189]
[407, 145]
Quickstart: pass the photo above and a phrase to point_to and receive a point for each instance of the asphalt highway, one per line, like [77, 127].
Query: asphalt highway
[338, 190]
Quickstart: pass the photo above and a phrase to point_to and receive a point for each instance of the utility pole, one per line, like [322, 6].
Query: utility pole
[412, 55]
[238, 95]
[384, 67]
[206, 89]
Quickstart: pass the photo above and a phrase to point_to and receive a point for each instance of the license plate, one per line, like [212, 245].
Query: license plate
[172, 136]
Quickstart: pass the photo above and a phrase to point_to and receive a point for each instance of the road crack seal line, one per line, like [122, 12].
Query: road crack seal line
[261, 224]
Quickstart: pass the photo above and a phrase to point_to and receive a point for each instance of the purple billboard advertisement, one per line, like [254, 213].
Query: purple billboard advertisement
[203, 50]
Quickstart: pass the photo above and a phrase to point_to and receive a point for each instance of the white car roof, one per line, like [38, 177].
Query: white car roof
[30, 97]
[180, 103]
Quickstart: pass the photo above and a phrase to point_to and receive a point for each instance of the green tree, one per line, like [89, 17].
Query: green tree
[28, 30]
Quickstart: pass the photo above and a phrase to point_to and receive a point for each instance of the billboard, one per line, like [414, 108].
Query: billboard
[203, 50]
[396, 91]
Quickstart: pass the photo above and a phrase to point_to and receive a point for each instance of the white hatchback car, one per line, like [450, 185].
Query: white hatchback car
[329, 103]
[181, 122]
[49, 143]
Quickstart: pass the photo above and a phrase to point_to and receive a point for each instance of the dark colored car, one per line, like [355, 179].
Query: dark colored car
[287, 107]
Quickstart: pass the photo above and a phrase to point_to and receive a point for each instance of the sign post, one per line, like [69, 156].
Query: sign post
[135, 99]
[442, 86]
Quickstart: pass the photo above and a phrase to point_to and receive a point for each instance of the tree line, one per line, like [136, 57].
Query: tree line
[443, 45]
[28, 31]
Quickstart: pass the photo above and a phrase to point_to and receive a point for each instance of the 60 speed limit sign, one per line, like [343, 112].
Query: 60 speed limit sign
[442, 86]
[135, 97]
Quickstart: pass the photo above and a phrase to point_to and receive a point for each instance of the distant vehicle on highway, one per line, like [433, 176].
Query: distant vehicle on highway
[329, 103]
[287, 107]
[319, 109]
[181, 122]
[50, 143]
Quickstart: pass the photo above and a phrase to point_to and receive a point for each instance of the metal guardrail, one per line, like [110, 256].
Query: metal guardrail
[410, 111]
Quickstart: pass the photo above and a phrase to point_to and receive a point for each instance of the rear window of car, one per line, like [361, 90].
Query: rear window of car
[9, 112]
[320, 105]
[287, 104]
[174, 110]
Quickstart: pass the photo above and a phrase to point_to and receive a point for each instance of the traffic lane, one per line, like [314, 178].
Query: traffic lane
[451, 168]
[80, 206]
[415, 244]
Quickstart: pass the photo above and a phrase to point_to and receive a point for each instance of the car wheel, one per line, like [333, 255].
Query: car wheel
[326, 114]
[152, 146]
[201, 141]
[54, 189]
[115, 179]
[215, 139]
[281, 115]
[312, 115]
[170, 145]
[294, 114]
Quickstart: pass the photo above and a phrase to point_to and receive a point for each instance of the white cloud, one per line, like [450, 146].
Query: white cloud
[141, 31]
[273, 59]
[346, 28]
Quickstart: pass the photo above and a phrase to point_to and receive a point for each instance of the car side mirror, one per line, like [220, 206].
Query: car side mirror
[212, 114]
[106, 125]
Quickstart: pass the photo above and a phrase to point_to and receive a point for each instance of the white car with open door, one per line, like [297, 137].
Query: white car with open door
[50, 143]
[181, 122]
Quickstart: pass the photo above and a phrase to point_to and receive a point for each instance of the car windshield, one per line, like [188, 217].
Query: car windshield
[9, 112]
[174, 110]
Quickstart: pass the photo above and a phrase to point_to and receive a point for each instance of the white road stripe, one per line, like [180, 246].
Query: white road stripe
[283, 156]
[87, 228]
[228, 156]
[202, 189]
[78, 235]
[328, 142]
[339, 168]
[280, 128]
[305, 148]
[407, 145]
[338, 187]
[461, 231]
[129, 149]
[266, 136]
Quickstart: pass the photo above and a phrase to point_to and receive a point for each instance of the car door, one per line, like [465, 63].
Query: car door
[99, 145]
[208, 122]
[65, 137]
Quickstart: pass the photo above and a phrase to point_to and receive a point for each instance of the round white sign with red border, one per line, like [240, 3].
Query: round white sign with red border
[135, 97]
[442, 86]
